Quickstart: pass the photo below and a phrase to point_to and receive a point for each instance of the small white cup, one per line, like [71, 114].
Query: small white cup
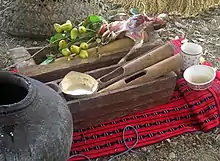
[191, 54]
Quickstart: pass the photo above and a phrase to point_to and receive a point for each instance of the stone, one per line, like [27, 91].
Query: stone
[144, 149]
[205, 29]
[35, 43]
[172, 155]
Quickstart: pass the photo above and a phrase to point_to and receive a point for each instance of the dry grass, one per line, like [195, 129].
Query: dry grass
[177, 7]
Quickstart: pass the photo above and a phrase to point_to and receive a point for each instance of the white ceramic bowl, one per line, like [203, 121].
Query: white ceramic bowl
[78, 85]
[199, 77]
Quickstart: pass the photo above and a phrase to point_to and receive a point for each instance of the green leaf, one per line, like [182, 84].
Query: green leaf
[47, 61]
[56, 37]
[50, 58]
[86, 22]
[87, 35]
[95, 18]
[134, 11]
[96, 26]
[88, 26]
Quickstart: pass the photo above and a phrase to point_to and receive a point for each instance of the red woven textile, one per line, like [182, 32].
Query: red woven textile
[188, 111]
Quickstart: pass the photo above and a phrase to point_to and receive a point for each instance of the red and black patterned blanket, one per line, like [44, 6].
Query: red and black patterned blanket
[188, 111]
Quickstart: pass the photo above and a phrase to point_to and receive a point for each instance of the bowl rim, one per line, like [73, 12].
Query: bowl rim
[200, 84]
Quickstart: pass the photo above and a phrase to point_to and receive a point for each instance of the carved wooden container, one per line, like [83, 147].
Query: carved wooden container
[101, 107]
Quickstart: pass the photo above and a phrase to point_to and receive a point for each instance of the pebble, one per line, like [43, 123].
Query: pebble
[179, 25]
[163, 16]
[200, 39]
[144, 149]
[213, 21]
[158, 146]
[175, 143]
[184, 41]
[195, 41]
[168, 140]
[35, 43]
[205, 29]
[172, 155]
[217, 137]
[197, 33]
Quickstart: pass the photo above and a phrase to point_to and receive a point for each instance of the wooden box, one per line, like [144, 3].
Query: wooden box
[101, 107]
[50, 72]
[105, 106]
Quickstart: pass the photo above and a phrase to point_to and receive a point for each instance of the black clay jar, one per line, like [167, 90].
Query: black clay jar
[35, 122]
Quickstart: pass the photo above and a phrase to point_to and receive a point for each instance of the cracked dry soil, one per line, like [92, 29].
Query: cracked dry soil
[205, 30]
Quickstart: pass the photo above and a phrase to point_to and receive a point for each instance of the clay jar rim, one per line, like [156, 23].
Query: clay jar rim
[26, 101]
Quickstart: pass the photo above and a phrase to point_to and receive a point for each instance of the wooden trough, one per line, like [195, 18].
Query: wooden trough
[94, 110]
[60, 68]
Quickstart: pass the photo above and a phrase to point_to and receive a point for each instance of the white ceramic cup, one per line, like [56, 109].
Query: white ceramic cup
[191, 54]
[194, 76]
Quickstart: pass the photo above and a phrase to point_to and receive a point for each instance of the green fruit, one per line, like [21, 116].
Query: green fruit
[74, 33]
[98, 40]
[84, 46]
[75, 49]
[83, 54]
[82, 29]
[58, 28]
[62, 44]
[67, 26]
[66, 52]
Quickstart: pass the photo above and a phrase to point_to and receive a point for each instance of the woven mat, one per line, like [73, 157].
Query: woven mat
[187, 111]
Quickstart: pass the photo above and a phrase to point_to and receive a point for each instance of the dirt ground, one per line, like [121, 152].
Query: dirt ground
[205, 30]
